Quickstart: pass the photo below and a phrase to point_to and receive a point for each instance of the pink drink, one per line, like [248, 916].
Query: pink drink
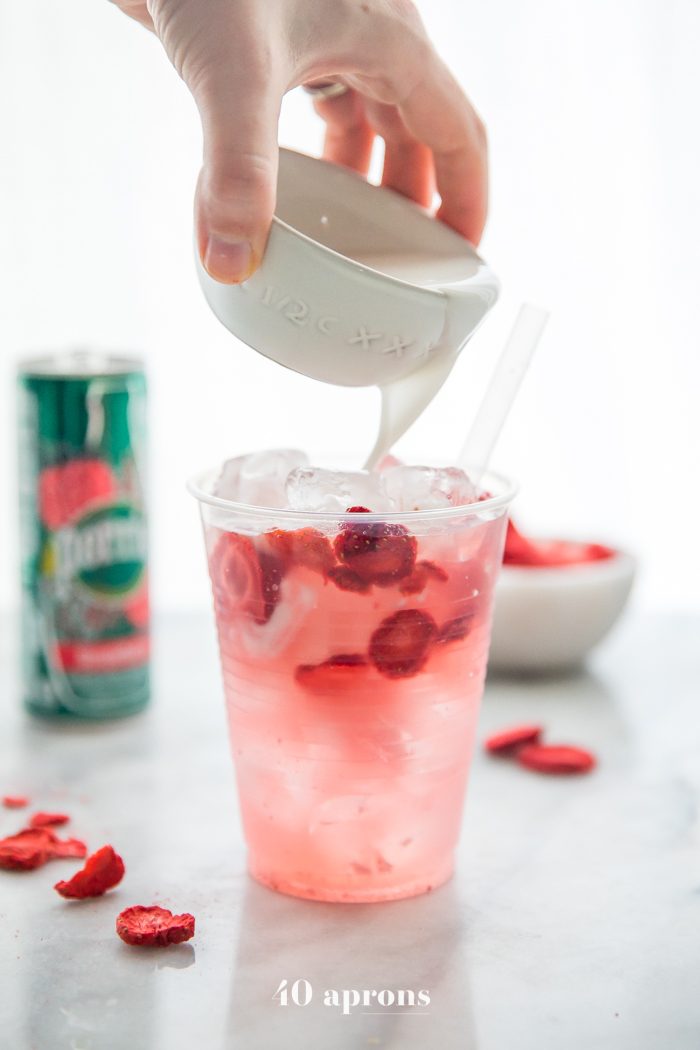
[353, 655]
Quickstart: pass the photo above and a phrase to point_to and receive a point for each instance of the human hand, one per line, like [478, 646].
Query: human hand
[239, 58]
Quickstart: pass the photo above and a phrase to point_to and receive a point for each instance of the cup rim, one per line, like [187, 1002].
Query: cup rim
[196, 486]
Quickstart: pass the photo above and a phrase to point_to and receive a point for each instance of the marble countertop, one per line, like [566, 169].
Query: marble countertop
[573, 922]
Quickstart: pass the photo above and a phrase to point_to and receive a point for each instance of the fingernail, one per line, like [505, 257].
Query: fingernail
[228, 261]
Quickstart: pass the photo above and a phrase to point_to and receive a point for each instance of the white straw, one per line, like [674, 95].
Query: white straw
[500, 395]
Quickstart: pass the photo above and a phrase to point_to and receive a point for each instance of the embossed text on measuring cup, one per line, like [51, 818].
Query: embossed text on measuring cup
[298, 312]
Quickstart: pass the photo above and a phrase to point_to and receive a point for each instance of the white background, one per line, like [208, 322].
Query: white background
[592, 117]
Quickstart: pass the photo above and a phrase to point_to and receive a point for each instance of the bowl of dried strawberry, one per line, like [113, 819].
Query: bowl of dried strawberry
[555, 601]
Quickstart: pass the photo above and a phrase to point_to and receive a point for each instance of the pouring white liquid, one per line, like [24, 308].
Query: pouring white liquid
[404, 399]
[402, 403]
[358, 287]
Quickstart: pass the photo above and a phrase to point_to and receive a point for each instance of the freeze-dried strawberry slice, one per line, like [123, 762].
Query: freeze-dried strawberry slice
[61, 848]
[154, 926]
[47, 820]
[26, 850]
[555, 758]
[399, 647]
[67, 488]
[337, 673]
[379, 552]
[422, 573]
[348, 580]
[272, 575]
[244, 580]
[235, 574]
[509, 741]
[33, 847]
[15, 801]
[103, 870]
[521, 551]
[456, 629]
[307, 547]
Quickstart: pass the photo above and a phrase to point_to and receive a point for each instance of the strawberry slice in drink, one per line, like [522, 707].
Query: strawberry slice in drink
[245, 581]
[456, 629]
[272, 573]
[378, 552]
[423, 572]
[400, 645]
[338, 674]
[347, 580]
[307, 547]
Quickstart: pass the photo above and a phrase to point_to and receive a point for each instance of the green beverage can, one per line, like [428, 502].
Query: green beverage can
[85, 618]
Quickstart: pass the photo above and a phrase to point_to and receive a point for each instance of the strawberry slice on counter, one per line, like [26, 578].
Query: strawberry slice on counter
[66, 848]
[15, 801]
[400, 645]
[555, 758]
[33, 847]
[101, 872]
[154, 926]
[26, 850]
[509, 741]
[47, 820]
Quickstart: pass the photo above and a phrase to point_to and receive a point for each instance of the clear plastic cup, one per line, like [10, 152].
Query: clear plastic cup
[353, 651]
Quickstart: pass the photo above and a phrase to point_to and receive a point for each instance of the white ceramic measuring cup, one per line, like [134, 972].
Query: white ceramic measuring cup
[358, 287]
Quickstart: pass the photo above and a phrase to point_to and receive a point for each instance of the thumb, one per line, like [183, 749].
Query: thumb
[239, 105]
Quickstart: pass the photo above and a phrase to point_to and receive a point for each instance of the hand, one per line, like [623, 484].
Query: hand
[239, 58]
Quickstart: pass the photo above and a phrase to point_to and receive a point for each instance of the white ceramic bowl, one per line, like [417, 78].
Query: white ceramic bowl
[548, 619]
[359, 286]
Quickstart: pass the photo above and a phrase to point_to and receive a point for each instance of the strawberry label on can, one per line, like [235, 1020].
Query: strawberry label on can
[84, 536]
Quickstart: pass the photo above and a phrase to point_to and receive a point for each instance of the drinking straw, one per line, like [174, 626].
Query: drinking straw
[500, 394]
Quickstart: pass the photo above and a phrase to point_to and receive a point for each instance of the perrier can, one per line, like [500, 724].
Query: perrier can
[82, 422]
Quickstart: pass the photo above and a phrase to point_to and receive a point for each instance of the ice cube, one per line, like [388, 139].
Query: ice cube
[334, 491]
[428, 488]
[226, 485]
[259, 477]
